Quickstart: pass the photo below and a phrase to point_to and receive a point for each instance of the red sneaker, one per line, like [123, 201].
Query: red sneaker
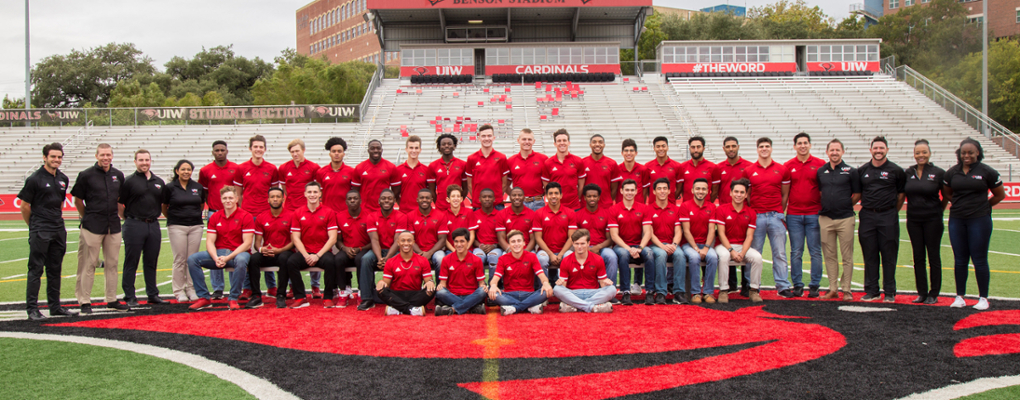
[234, 306]
[201, 304]
[316, 293]
[299, 303]
[355, 298]
[341, 302]
[327, 303]
[245, 294]
[271, 292]
[290, 294]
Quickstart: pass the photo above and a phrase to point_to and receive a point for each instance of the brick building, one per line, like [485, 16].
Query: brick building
[1004, 17]
[337, 29]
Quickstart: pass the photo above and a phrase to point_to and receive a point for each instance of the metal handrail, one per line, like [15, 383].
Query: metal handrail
[68, 144]
[372, 85]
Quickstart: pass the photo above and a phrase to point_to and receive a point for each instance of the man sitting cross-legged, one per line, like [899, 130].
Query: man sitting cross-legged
[401, 287]
[583, 283]
[461, 279]
[518, 269]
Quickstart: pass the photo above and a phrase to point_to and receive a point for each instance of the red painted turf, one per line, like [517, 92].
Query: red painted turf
[990, 344]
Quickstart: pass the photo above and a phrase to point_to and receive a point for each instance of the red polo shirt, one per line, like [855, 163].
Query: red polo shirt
[669, 170]
[767, 186]
[630, 222]
[275, 231]
[427, 229]
[294, 180]
[597, 223]
[486, 233]
[583, 276]
[736, 223]
[445, 174]
[230, 230]
[507, 220]
[411, 181]
[387, 227]
[463, 219]
[407, 275]
[567, 173]
[665, 221]
[335, 185]
[602, 173]
[639, 174]
[314, 226]
[354, 231]
[486, 173]
[255, 181]
[689, 172]
[213, 178]
[372, 179]
[461, 276]
[518, 274]
[805, 197]
[554, 226]
[725, 173]
[698, 217]
[526, 173]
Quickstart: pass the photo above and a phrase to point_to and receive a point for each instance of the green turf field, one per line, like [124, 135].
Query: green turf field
[1004, 259]
[1012, 392]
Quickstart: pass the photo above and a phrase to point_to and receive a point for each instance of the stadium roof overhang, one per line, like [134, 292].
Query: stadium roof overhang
[441, 21]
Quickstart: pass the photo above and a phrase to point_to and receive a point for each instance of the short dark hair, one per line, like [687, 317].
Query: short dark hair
[427, 190]
[559, 132]
[486, 127]
[659, 139]
[446, 136]
[628, 182]
[696, 139]
[276, 188]
[256, 138]
[596, 136]
[630, 143]
[730, 138]
[841, 146]
[313, 183]
[741, 182]
[178, 166]
[879, 139]
[580, 233]
[553, 185]
[375, 141]
[487, 190]
[454, 187]
[52, 146]
[459, 232]
[922, 141]
[219, 142]
[591, 186]
[763, 140]
[959, 150]
[801, 135]
[660, 180]
[699, 180]
[333, 141]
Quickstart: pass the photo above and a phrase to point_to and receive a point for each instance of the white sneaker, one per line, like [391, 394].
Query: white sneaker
[392, 311]
[418, 311]
[635, 288]
[507, 310]
[958, 303]
[982, 304]
[536, 309]
[192, 296]
[182, 298]
[603, 308]
[565, 308]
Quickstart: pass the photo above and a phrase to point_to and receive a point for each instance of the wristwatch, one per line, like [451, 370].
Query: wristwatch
[730, 249]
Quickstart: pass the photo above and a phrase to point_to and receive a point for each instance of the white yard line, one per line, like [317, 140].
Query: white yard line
[966, 388]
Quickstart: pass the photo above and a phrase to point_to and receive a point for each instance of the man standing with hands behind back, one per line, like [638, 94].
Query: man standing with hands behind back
[883, 188]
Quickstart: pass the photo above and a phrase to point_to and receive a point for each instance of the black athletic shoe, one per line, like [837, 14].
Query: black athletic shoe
[35, 315]
[680, 298]
[660, 299]
[254, 302]
[649, 299]
[919, 300]
[745, 291]
[58, 310]
[281, 301]
[614, 300]
[871, 297]
[798, 291]
[787, 293]
[813, 293]
[156, 300]
[216, 295]
[86, 309]
[116, 305]
[366, 305]
[132, 302]
[626, 300]
[477, 309]
[931, 300]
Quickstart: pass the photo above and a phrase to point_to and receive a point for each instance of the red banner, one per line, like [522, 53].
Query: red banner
[438, 70]
[731, 67]
[551, 69]
[844, 66]
[10, 203]
[418, 4]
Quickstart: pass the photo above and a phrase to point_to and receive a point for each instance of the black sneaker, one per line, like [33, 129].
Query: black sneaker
[35, 315]
[660, 299]
[798, 291]
[649, 299]
[217, 295]
[813, 293]
[614, 300]
[787, 293]
[86, 309]
[477, 309]
[680, 298]
[58, 310]
[444, 310]
[281, 301]
[254, 302]
[132, 302]
[871, 297]
[366, 305]
[626, 300]
[745, 291]
[116, 305]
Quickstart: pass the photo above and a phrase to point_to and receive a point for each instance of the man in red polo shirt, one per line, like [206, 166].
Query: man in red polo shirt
[384, 226]
[595, 219]
[336, 177]
[459, 216]
[770, 190]
[583, 283]
[518, 270]
[805, 202]
[630, 228]
[487, 168]
[228, 239]
[601, 170]
[214, 177]
[696, 167]
[273, 248]
[635, 171]
[401, 287]
[373, 175]
[255, 177]
[664, 167]
[516, 217]
[486, 239]
[553, 226]
[354, 243]
[461, 279]
[699, 236]
[666, 238]
[565, 169]
[429, 228]
[313, 231]
[726, 172]
[295, 175]
[526, 170]
[735, 227]
[413, 175]
[447, 170]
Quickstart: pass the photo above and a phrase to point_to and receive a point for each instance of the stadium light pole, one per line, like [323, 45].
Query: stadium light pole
[28, 71]
[984, 64]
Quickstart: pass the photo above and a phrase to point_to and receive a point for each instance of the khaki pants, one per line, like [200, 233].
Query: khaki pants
[752, 260]
[88, 259]
[841, 230]
[184, 241]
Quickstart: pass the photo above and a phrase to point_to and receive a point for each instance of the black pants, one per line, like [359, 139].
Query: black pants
[141, 240]
[343, 261]
[255, 275]
[46, 252]
[295, 264]
[926, 239]
[404, 300]
[879, 234]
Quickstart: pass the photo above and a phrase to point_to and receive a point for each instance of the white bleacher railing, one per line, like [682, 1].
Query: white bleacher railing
[372, 85]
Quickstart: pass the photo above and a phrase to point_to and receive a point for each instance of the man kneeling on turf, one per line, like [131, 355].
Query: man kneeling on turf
[461, 279]
[401, 286]
[228, 238]
[519, 269]
[581, 275]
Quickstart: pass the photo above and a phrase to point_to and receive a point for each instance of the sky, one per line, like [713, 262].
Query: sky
[162, 30]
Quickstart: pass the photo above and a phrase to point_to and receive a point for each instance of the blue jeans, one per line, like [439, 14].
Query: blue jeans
[535, 205]
[202, 259]
[437, 260]
[771, 224]
[584, 299]
[612, 262]
[543, 260]
[694, 260]
[679, 269]
[216, 275]
[805, 227]
[366, 278]
[521, 300]
[969, 238]
[490, 260]
[461, 304]
[623, 257]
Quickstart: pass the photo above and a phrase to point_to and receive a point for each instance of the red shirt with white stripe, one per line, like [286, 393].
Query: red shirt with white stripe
[583, 276]
[372, 179]
[407, 275]
[255, 181]
[725, 173]
[567, 173]
[639, 174]
[736, 223]
[526, 173]
[767, 186]
[335, 185]
[387, 227]
[698, 217]
[486, 233]
[445, 174]
[427, 229]
[464, 218]
[275, 231]
[354, 230]
[554, 226]
[507, 220]
[630, 222]
[486, 173]
[665, 221]
[230, 230]
[461, 276]
[518, 274]
[602, 172]
[669, 170]
[212, 177]
[805, 197]
[314, 226]
[690, 172]
[411, 181]
[294, 180]
[597, 223]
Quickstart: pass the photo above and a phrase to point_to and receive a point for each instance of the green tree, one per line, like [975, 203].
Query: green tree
[787, 19]
[964, 80]
[216, 69]
[212, 99]
[305, 80]
[9, 103]
[930, 39]
[132, 94]
[86, 76]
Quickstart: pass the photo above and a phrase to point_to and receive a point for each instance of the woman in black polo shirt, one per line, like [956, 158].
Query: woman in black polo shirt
[970, 217]
[183, 200]
[924, 221]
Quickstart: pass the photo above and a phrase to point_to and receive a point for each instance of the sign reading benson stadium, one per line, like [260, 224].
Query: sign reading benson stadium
[418, 4]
